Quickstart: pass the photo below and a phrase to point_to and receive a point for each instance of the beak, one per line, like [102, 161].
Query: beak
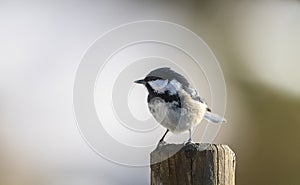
[140, 81]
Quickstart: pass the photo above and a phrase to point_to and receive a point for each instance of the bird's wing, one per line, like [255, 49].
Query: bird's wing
[195, 96]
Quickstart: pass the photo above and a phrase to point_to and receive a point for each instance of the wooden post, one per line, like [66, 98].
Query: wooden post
[193, 164]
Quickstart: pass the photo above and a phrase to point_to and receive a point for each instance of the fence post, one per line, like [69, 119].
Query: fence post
[193, 164]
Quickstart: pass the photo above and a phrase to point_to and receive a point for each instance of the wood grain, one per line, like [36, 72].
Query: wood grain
[193, 164]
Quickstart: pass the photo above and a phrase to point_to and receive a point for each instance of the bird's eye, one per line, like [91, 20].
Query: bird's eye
[151, 78]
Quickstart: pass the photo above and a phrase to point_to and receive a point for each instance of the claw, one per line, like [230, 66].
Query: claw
[161, 143]
[189, 141]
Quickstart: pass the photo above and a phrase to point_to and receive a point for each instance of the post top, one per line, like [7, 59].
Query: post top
[172, 148]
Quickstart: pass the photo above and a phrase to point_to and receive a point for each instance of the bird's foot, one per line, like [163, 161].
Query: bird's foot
[187, 142]
[160, 144]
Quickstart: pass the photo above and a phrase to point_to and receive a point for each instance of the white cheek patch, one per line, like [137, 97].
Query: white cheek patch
[159, 85]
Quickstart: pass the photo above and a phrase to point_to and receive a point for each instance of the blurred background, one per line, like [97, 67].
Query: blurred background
[42, 42]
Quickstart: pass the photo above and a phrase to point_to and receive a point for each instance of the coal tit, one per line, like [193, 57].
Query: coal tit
[174, 103]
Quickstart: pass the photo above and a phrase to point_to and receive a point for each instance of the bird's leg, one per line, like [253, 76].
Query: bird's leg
[161, 141]
[190, 137]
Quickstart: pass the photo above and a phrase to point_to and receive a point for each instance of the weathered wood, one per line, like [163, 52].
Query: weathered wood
[193, 164]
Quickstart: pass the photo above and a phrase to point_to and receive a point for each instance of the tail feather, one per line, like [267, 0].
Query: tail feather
[211, 117]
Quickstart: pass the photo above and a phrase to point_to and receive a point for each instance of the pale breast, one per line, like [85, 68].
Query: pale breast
[195, 109]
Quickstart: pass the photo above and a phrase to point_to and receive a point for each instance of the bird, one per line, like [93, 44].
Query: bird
[174, 103]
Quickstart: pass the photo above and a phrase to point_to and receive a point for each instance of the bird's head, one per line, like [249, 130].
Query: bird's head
[153, 83]
[158, 80]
